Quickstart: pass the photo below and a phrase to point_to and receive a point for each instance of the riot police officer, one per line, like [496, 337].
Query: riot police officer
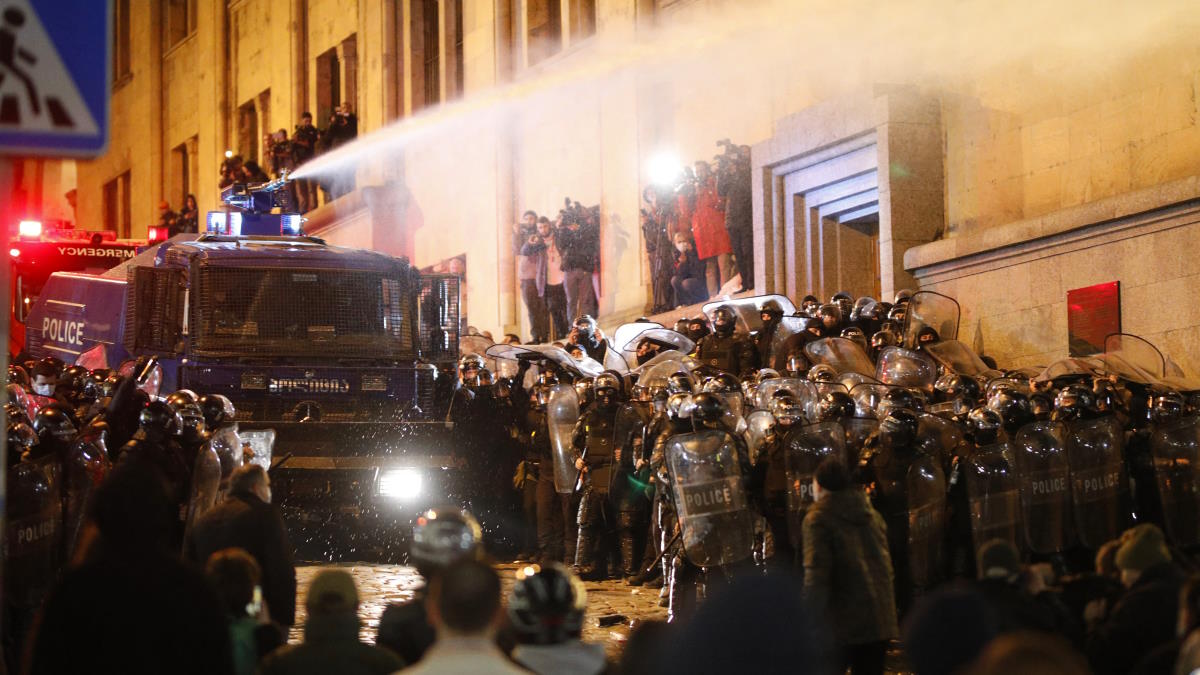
[908, 488]
[587, 335]
[771, 314]
[984, 494]
[156, 445]
[34, 513]
[771, 480]
[593, 440]
[723, 349]
[220, 419]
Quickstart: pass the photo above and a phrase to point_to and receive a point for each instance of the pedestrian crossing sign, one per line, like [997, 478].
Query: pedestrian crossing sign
[55, 77]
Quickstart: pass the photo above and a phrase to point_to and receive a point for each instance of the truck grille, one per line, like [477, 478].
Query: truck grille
[301, 312]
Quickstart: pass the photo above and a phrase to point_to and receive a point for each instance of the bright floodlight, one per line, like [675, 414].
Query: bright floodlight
[400, 484]
[228, 154]
[663, 168]
[29, 228]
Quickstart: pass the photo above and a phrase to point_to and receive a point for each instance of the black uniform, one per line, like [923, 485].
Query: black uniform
[593, 440]
[730, 353]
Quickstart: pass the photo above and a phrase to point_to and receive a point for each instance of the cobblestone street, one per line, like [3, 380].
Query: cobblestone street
[379, 585]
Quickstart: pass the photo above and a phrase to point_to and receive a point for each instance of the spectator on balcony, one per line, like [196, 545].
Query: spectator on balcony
[579, 244]
[304, 147]
[530, 250]
[708, 229]
[688, 280]
[189, 217]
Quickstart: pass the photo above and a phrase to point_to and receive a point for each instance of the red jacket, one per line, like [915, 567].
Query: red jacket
[708, 222]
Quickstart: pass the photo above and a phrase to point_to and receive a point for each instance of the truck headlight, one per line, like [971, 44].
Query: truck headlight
[403, 484]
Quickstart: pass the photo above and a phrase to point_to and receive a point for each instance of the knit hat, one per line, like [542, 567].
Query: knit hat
[998, 559]
[332, 591]
[1144, 547]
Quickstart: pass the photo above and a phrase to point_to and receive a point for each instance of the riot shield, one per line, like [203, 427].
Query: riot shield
[657, 371]
[623, 337]
[1175, 447]
[477, 344]
[867, 398]
[715, 520]
[629, 432]
[258, 446]
[562, 412]
[747, 310]
[845, 356]
[858, 430]
[206, 483]
[85, 467]
[789, 336]
[802, 390]
[1039, 451]
[32, 535]
[926, 494]
[760, 425]
[959, 358]
[993, 493]
[905, 368]
[1132, 358]
[939, 437]
[226, 442]
[585, 367]
[1098, 481]
[669, 339]
[932, 310]
[1073, 368]
[806, 448]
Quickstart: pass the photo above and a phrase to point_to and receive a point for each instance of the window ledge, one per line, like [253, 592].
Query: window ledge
[121, 81]
[179, 45]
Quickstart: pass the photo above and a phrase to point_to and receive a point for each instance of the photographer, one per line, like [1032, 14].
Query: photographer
[733, 186]
[304, 147]
[530, 251]
[659, 249]
[708, 230]
[578, 240]
[555, 296]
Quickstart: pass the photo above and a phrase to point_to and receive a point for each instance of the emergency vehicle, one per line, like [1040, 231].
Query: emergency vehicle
[38, 250]
[346, 357]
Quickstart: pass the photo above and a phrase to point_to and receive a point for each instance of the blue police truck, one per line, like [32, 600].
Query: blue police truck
[348, 356]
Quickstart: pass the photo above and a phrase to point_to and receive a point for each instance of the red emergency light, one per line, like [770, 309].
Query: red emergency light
[29, 228]
[156, 234]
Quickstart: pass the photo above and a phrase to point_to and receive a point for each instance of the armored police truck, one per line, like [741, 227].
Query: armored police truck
[347, 356]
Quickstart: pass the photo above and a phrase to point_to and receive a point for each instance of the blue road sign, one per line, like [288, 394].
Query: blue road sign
[55, 77]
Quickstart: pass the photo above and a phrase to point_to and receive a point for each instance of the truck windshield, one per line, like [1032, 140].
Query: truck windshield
[301, 312]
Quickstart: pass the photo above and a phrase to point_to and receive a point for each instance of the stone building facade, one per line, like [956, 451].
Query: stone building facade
[1004, 186]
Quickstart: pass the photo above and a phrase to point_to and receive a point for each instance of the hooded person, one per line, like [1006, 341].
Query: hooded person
[1145, 616]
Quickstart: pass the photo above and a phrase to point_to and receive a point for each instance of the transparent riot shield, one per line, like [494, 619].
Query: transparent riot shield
[585, 367]
[227, 443]
[1098, 481]
[993, 493]
[668, 339]
[806, 448]
[206, 483]
[802, 390]
[1072, 368]
[477, 344]
[858, 430]
[867, 398]
[932, 310]
[905, 368]
[32, 535]
[715, 520]
[623, 337]
[629, 433]
[845, 356]
[85, 467]
[939, 437]
[926, 488]
[1133, 358]
[1175, 447]
[789, 336]
[959, 358]
[760, 427]
[747, 310]
[1040, 453]
[562, 412]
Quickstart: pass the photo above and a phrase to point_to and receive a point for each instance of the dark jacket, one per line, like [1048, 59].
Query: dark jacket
[331, 646]
[847, 568]
[688, 266]
[149, 613]
[1017, 610]
[580, 250]
[1142, 619]
[404, 628]
[247, 522]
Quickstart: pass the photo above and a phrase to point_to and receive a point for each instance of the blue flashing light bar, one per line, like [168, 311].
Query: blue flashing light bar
[237, 224]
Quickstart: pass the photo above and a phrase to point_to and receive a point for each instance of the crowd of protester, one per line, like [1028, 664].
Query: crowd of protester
[557, 265]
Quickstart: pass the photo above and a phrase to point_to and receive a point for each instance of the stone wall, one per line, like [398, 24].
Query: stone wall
[1011, 281]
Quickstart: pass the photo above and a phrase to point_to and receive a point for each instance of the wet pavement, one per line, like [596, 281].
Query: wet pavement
[380, 585]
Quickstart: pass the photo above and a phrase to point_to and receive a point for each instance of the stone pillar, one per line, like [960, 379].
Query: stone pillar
[911, 181]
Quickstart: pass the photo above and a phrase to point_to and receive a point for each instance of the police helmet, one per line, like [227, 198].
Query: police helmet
[899, 427]
[217, 410]
[680, 382]
[1074, 401]
[708, 407]
[471, 362]
[184, 397]
[17, 375]
[835, 405]
[547, 604]
[722, 383]
[723, 321]
[786, 410]
[983, 425]
[1165, 405]
[586, 326]
[1013, 406]
[443, 536]
[54, 421]
[771, 310]
[765, 374]
[159, 418]
[822, 372]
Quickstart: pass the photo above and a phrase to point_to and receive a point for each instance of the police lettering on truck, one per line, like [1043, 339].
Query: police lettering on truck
[63, 331]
